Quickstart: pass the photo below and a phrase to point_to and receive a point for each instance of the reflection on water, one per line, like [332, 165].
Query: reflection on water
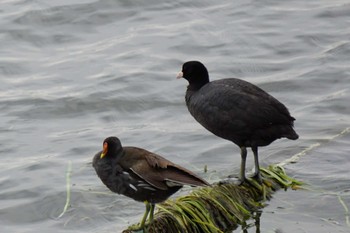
[256, 224]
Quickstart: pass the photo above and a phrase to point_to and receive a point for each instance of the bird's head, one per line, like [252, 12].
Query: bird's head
[111, 146]
[195, 73]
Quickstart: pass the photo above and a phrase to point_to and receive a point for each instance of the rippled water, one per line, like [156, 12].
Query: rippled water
[75, 72]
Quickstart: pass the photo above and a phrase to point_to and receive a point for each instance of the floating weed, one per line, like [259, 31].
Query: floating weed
[347, 219]
[221, 207]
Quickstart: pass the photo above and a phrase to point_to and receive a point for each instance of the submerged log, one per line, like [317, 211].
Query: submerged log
[219, 208]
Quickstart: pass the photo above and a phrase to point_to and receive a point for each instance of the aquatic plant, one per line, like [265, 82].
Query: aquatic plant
[221, 207]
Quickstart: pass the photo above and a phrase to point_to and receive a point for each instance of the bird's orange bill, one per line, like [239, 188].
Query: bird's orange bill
[105, 150]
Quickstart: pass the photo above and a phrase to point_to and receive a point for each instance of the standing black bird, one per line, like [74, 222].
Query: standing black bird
[140, 174]
[236, 110]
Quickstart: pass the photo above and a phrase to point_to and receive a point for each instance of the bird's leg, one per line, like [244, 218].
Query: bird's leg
[141, 225]
[257, 167]
[241, 178]
[151, 213]
[243, 160]
[148, 208]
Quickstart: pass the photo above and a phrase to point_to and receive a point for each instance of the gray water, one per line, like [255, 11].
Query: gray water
[75, 72]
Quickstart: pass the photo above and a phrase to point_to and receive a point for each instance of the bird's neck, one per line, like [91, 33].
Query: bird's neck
[116, 156]
[190, 92]
[195, 86]
[197, 82]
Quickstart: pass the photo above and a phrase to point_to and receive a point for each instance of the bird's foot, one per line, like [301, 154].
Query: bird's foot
[255, 180]
[231, 180]
[258, 178]
[136, 228]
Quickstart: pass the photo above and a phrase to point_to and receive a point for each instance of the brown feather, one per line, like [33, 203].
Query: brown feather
[157, 170]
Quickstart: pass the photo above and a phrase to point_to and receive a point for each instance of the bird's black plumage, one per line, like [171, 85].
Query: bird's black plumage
[236, 110]
[140, 174]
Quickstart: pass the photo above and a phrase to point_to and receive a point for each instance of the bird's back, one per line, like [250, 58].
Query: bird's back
[157, 170]
[240, 112]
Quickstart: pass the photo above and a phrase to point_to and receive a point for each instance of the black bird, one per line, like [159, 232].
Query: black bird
[236, 110]
[140, 174]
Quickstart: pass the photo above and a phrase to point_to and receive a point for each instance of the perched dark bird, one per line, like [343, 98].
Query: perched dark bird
[140, 174]
[236, 110]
